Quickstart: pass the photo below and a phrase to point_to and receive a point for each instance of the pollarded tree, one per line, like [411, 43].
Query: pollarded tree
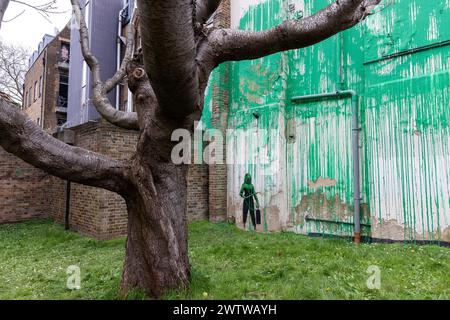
[168, 78]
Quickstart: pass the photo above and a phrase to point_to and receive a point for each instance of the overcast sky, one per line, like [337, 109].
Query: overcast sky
[29, 28]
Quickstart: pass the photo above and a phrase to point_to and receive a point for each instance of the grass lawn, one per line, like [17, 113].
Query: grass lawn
[226, 264]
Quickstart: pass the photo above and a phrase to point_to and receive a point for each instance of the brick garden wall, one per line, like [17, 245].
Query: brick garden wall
[23, 190]
[219, 120]
[198, 193]
[28, 193]
[95, 212]
[43, 106]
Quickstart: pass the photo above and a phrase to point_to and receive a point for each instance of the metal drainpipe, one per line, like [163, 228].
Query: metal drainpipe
[67, 216]
[68, 191]
[340, 62]
[355, 148]
[356, 168]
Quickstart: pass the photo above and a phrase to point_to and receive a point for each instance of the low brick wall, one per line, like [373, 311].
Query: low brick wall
[27, 193]
[198, 193]
[23, 190]
[95, 212]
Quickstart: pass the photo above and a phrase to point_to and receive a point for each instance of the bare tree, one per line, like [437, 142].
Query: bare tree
[45, 9]
[168, 78]
[14, 59]
[13, 67]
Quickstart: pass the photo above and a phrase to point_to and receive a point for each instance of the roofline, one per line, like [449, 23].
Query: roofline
[55, 37]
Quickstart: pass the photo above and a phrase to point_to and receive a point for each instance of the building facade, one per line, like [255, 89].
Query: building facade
[106, 21]
[47, 81]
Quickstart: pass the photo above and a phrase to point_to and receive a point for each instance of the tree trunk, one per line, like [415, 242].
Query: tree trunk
[157, 246]
[157, 249]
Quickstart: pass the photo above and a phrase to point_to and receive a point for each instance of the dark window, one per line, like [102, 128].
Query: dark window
[61, 121]
[126, 13]
[63, 90]
[30, 97]
[40, 87]
[64, 53]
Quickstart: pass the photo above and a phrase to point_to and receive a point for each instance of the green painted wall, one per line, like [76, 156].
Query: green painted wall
[398, 61]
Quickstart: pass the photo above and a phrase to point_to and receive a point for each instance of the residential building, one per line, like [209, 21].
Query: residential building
[47, 81]
[106, 21]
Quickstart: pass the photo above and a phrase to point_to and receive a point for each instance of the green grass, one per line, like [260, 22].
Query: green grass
[226, 264]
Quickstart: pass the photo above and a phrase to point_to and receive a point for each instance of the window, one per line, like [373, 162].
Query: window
[87, 13]
[126, 12]
[84, 81]
[40, 87]
[30, 97]
[38, 121]
[85, 68]
[64, 54]
[60, 121]
[63, 90]
[25, 99]
[130, 101]
[35, 90]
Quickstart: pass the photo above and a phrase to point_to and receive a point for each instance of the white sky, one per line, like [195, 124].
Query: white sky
[28, 29]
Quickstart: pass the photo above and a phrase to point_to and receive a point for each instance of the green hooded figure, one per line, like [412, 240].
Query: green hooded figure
[248, 193]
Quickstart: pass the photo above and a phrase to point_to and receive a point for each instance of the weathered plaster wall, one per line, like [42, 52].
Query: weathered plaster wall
[407, 110]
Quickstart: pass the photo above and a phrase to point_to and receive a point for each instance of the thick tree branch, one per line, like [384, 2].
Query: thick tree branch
[143, 95]
[111, 83]
[20, 136]
[127, 120]
[3, 6]
[169, 48]
[205, 9]
[234, 45]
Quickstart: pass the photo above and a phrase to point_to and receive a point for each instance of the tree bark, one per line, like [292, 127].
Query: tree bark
[156, 256]
[157, 248]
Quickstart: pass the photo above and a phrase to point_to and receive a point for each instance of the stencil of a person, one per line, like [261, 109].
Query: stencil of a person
[248, 193]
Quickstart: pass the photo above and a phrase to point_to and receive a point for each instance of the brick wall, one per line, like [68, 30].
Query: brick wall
[28, 193]
[100, 213]
[23, 190]
[95, 212]
[222, 18]
[219, 120]
[198, 192]
[45, 72]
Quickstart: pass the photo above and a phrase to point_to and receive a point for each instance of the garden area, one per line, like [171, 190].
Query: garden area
[227, 263]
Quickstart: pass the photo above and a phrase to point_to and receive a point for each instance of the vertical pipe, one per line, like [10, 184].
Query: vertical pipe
[356, 170]
[355, 150]
[355, 141]
[340, 81]
[341, 61]
[67, 215]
